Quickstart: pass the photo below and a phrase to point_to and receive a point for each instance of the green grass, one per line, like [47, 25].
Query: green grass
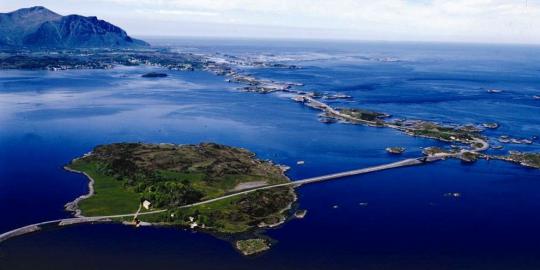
[216, 189]
[224, 208]
[110, 197]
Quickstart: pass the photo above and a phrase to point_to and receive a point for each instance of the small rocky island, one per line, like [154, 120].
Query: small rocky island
[395, 150]
[300, 213]
[252, 246]
[154, 75]
[132, 177]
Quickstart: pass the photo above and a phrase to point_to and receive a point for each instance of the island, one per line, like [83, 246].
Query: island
[395, 150]
[182, 180]
[154, 75]
[300, 213]
[252, 246]
[469, 156]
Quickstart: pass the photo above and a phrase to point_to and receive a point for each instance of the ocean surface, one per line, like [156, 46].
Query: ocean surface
[396, 219]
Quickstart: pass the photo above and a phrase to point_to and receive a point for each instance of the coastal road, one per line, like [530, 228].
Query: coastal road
[66, 221]
[311, 102]
[77, 220]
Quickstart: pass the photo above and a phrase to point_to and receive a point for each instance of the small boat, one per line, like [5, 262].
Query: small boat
[536, 97]
[300, 162]
[494, 91]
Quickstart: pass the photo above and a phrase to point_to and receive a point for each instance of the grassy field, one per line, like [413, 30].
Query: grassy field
[110, 196]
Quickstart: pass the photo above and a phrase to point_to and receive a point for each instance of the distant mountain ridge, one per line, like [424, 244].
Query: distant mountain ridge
[39, 27]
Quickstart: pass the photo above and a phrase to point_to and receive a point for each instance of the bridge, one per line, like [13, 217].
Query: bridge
[78, 220]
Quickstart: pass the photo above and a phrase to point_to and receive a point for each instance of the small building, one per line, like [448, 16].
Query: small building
[146, 204]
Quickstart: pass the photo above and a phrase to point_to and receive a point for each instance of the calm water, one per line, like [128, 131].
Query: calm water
[48, 118]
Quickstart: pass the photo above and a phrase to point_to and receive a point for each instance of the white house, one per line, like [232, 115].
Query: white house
[146, 204]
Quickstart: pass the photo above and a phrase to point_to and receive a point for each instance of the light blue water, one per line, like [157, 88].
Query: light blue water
[47, 118]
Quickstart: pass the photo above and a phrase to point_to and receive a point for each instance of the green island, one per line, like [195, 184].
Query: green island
[433, 130]
[252, 246]
[127, 176]
[362, 115]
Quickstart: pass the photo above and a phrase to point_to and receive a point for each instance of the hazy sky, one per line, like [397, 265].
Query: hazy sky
[500, 21]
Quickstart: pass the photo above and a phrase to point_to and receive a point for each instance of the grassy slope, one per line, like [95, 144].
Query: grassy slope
[110, 196]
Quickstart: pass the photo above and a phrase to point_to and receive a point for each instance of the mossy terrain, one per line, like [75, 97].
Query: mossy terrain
[171, 176]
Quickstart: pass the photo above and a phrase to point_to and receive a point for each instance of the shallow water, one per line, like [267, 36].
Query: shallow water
[48, 118]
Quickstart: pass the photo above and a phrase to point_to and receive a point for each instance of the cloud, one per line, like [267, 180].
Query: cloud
[437, 20]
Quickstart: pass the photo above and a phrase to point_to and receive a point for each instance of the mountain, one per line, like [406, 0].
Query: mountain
[38, 27]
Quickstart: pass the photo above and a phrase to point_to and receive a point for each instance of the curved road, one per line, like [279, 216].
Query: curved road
[78, 220]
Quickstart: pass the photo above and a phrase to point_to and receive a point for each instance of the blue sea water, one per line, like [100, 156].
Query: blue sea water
[48, 118]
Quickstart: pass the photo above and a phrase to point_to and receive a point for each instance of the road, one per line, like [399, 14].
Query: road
[78, 220]
[311, 102]
[66, 221]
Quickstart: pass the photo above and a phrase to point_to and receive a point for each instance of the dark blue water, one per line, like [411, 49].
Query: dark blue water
[47, 118]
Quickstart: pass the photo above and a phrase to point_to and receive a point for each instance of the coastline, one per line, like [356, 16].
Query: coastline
[283, 212]
[73, 206]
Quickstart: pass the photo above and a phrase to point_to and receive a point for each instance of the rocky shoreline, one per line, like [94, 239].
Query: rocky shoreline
[73, 206]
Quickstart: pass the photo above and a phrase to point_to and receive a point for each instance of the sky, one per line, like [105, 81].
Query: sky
[483, 21]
